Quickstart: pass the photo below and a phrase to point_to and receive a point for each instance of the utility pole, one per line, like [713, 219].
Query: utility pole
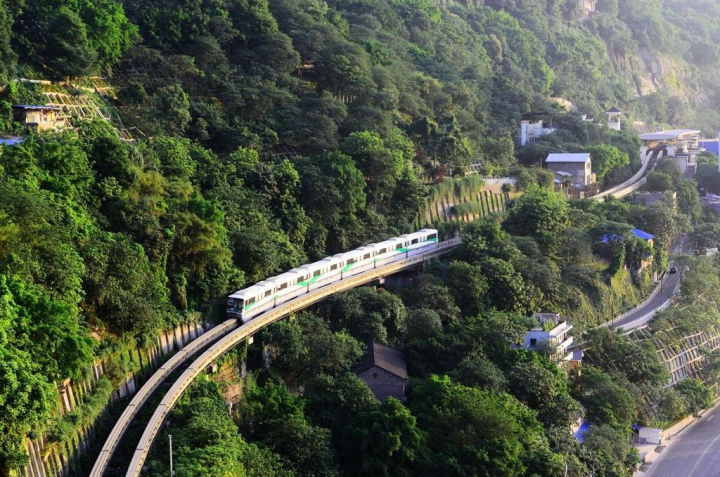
[172, 473]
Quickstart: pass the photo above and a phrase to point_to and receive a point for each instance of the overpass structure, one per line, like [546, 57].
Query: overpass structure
[634, 183]
[233, 335]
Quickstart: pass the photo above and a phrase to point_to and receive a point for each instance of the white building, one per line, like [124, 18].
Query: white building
[552, 336]
[531, 132]
[613, 115]
[680, 145]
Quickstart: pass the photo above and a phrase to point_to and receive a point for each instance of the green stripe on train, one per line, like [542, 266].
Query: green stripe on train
[318, 277]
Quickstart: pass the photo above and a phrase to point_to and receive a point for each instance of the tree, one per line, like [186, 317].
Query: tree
[382, 441]
[606, 401]
[468, 285]
[172, 109]
[605, 158]
[610, 453]
[476, 432]
[382, 160]
[306, 347]
[540, 214]
[688, 199]
[659, 181]
[368, 314]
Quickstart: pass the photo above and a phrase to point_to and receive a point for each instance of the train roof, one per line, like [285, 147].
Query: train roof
[287, 276]
[254, 290]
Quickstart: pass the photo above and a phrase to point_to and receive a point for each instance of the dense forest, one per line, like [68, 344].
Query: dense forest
[280, 131]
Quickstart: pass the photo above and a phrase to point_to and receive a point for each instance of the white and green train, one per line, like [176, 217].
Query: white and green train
[267, 294]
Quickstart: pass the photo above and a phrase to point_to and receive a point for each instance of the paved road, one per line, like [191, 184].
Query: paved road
[644, 313]
[693, 453]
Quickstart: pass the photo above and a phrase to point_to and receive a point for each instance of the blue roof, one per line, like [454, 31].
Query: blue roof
[636, 232]
[10, 141]
[642, 235]
[711, 146]
[582, 430]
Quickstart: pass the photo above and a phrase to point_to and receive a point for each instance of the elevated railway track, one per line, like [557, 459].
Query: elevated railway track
[229, 335]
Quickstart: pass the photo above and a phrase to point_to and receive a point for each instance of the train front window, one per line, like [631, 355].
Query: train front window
[432, 236]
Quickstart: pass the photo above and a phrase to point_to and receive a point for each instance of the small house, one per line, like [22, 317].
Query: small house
[613, 115]
[530, 132]
[649, 435]
[384, 370]
[551, 336]
[579, 165]
[37, 117]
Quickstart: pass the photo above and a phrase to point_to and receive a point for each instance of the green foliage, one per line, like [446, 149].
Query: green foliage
[306, 347]
[606, 158]
[540, 214]
[41, 341]
[606, 401]
[206, 440]
[64, 38]
[367, 314]
[478, 432]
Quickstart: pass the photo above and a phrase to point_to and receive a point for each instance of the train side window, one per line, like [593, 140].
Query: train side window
[351, 261]
[366, 256]
[414, 241]
[432, 236]
[333, 266]
[251, 301]
[399, 246]
[381, 251]
[316, 273]
[283, 286]
[267, 293]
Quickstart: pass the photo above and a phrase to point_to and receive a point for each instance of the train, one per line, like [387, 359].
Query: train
[251, 301]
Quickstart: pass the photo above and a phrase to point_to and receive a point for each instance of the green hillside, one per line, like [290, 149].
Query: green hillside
[267, 133]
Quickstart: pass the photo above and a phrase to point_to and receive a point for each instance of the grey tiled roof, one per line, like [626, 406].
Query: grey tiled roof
[384, 357]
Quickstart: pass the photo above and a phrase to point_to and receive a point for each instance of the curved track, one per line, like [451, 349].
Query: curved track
[149, 387]
[219, 348]
[632, 184]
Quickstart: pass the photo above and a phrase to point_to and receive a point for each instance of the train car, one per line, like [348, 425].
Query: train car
[421, 241]
[252, 301]
[389, 250]
[265, 295]
[288, 286]
[321, 273]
